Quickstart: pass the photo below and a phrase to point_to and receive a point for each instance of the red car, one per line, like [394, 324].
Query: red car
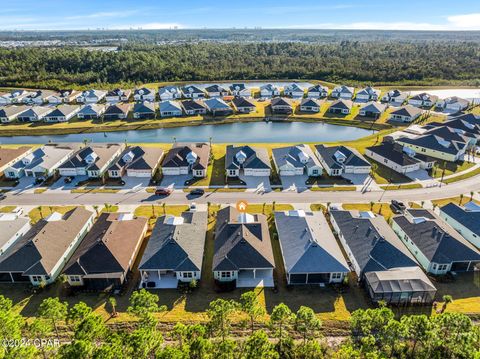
[163, 192]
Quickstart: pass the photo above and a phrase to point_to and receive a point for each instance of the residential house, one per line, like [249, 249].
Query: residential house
[436, 246]
[63, 96]
[435, 146]
[310, 252]
[10, 113]
[464, 219]
[15, 96]
[282, 106]
[215, 91]
[269, 91]
[39, 256]
[175, 251]
[454, 134]
[106, 255]
[368, 94]
[137, 161]
[342, 107]
[144, 94]
[91, 112]
[169, 93]
[183, 159]
[380, 260]
[118, 95]
[340, 160]
[244, 105]
[343, 92]
[395, 97]
[310, 105]
[399, 158]
[8, 156]
[372, 110]
[317, 91]
[296, 161]
[423, 100]
[144, 110]
[254, 161]
[240, 90]
[92, 161]
[194, 107]
[193, 92]
[118, 111]
[38, 97]
[294, 91]
[218, 107]
[467, 125]
[170, 109]
[406, 113]
[62, 113]
[43, 161]
[91, 96]
[33, 114]
[243, 255]
[12, 228]
[452, 104]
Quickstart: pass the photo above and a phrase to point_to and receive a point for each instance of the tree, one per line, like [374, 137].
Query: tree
[281, 320]
[471, 195]
[447, 299]
[252, 307]
[143, 303]
[258, 346]
[113, 305]
[310, 350]
[91, 328]
[54, 310]
[96, 209]
[39, 328]
[219, 313]
[307, 323]
[78, 312]
[77, 349]
[461, 199]
[419, 329]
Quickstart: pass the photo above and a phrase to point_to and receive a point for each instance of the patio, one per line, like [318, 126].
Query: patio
[249, 279]
[166, 280]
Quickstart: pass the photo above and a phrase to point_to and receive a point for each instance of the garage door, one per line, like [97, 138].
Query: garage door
[460, 266]
[143, 174]
[287, 172]
[257, 173]
[171, 171]
[298, 278]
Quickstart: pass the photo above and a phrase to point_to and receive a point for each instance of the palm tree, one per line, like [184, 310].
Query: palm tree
[471, 195]
[447, 299]
[40, 211]
[461, 199]
[371, 205]
[113, 304]
[96, 209]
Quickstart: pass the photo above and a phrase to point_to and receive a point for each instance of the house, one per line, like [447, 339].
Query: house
[465, 220]
[395, 97]
[269, 91]
[343, 92]
[340, 160]
[174, 252]
[435, 146]
[310, 105]
[43, 161]
[144, 94]
[423, 100]
[91, 112]
[406, 113]
[296, 161]
[293, 90]
[10, 113]
[185, 159]
[310, 252]
[62, 113]
[214, 91]
[380, 260]
[254, 161]
[118, 95]
[194, 107]
[38, 97]
[399, 158]
[106, 255]
[33, 114]
[39, 256]
[144, 110]
[437, 246]
[92, 161]
[342, 107]
[137, 161]
[12, 228]
[193, 92]
[244, 105]
[452, 104]
[282, 106]
[243, 255]
[317, 91]
[15, 96]
[218, 107]
[91, 96]
[467, 125]
[8, 156]
[372, 110]
[453, 134]
[118, 111]
[240, 90]
[63, 96]
[368, 94]
[169, 93]
[170, 109]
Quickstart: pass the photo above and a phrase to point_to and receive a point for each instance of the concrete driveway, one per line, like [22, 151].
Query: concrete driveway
[175, 181]
[419, 175]
[25, 184]
[61, 185]
[260, 183]
[294, 183]
[357, 179]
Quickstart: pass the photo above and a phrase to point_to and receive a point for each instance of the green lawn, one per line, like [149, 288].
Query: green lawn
[395, 187]
[450, 168]
[44, 211]
[462, 177]
[378, 208]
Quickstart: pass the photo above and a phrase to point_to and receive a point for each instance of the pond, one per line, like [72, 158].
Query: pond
[246, 132]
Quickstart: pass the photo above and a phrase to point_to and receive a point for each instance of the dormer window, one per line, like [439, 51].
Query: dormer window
[340, 157]
[241, 157]
[192, 157]
[128, 157]
[91, 158]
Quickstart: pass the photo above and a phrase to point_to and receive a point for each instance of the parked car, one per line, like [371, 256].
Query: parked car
[399, 206]
[193, 207]
[197, 192]
[68, 179]
[40, 180]
[163, 191]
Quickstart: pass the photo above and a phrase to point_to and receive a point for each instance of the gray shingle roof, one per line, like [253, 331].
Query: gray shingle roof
[342, 104]
[353, 158]
[177, 156]
[469, 219]
[255, 157]
[434, 142]
[394, 152]
[407, 110]
[144, 158]
[291, 155]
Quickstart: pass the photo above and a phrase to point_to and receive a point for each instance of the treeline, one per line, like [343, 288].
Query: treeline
[375, 333]
[346, 61]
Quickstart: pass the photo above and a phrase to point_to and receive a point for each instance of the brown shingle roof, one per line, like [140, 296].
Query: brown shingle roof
[9, 154]
[177, 156]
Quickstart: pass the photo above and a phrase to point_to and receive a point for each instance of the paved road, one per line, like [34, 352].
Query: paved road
[141, 197]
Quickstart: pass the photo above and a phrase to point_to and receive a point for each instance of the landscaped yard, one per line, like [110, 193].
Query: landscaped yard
[457, 200]
[44, 211]
[378, 208]
[450, 168]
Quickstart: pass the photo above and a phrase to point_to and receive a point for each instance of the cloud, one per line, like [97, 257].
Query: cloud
[102, 15]
[466, 22]
[151, 26]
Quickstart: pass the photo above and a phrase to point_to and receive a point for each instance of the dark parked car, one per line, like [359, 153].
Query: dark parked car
[398, 206]
[197, 192]
[68, 179]
[163, 191]
[40, 180]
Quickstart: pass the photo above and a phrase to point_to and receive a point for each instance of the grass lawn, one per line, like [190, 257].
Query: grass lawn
[450, 168]
[384, 175]
[457, 200]
[94, 190]
[395, 187]
[333, 189]
[44, 211]
[153, 211]
[464, 176]
[318, 207]
[378, 208]
[7, 209]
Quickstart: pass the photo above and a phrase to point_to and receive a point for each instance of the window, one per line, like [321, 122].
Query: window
[11, 174]
[187, 275]
[37, 278]
[336, 275]
[225, 274]
[442, 267]
[232, 172]
[434, 267]
[315, 172]
[75, 278]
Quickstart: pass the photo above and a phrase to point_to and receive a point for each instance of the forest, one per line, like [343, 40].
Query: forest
[78, 332]
[350, 62]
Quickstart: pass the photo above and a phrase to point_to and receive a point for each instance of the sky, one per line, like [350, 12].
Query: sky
[190, 14]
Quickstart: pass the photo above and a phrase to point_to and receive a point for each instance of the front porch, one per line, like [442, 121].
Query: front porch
[158, 280]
